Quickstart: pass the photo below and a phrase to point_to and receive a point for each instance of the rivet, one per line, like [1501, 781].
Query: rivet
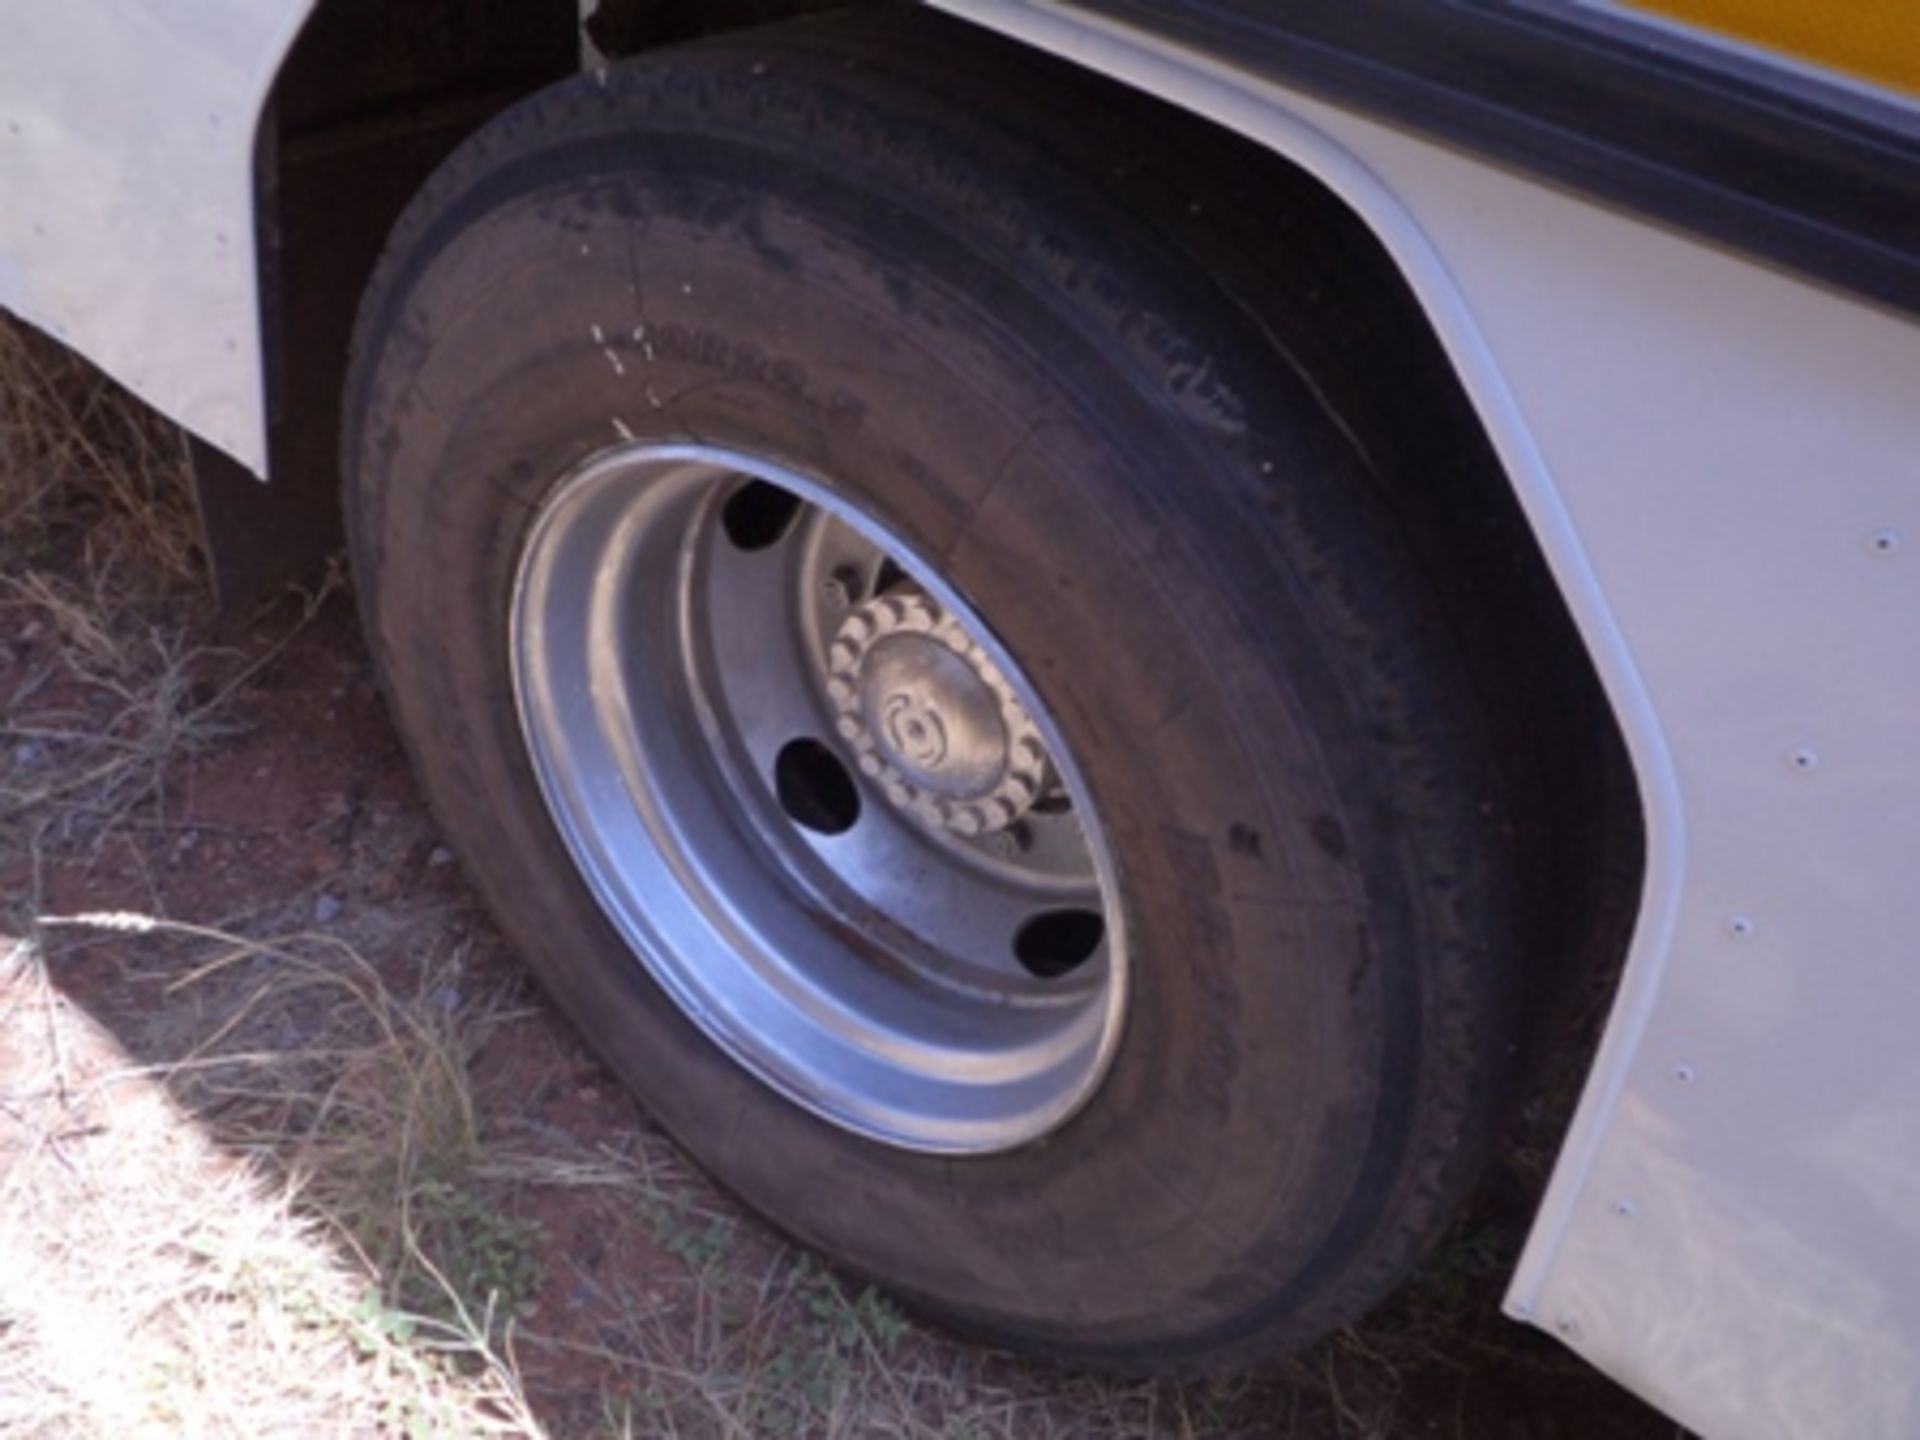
[1804, 759]
[1567, 1326]
[1884, 542]
[1739, 926]
[1685, 1074]
[1625, 1209]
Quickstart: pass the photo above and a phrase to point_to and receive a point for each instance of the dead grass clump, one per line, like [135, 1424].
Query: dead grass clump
[319, 1068]
[153, 1284]
[92, 482]
[103, 602]
[96, 747]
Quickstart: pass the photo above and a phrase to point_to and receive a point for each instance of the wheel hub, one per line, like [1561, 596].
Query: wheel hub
[930, 717]
[935, 720]
[778, 744]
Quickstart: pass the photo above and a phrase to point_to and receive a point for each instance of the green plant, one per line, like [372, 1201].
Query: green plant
[699, 1239]
[489, 1259]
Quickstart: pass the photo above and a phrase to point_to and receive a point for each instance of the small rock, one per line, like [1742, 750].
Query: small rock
[28, 752]
[441, 856]
[325, 909]
[447, 998]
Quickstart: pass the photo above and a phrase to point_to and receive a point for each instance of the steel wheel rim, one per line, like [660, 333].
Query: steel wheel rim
[946, 970]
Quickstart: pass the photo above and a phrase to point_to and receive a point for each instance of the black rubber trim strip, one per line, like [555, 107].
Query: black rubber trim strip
[1760, 168]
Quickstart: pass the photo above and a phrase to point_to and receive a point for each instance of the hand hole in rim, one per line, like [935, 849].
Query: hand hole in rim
[758, 515]
[1058, 942]
[815, 788]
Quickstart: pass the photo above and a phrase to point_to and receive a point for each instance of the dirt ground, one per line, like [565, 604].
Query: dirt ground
[290, 1145]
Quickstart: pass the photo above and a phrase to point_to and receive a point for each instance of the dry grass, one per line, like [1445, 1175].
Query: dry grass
[155, 1279]
[153, 1283]
[80, 461]
[290, 1168]
[99, 563]
[343, 1261]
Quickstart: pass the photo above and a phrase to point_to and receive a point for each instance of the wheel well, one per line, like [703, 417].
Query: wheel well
[374, 95]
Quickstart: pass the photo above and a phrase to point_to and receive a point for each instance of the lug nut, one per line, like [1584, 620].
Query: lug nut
[843, 586]
[1016, 839]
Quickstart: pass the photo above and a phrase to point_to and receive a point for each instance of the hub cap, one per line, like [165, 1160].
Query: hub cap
[931, 718]
[817, 799]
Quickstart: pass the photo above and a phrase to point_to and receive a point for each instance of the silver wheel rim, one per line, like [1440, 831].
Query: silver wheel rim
[817, 798]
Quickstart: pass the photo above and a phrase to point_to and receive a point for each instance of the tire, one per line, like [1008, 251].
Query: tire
[780, 247]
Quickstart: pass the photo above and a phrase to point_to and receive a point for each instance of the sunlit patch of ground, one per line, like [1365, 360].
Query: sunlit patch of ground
[152, 1284]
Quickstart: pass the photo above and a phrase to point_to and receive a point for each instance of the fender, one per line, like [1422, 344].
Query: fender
[128, 227]
[200, 217]
[1718, 461]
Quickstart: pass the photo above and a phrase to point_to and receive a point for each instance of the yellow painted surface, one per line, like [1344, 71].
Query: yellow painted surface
[1873, 40]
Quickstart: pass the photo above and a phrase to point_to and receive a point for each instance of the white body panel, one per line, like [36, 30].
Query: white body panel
[1723, 466]
[126, 193]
